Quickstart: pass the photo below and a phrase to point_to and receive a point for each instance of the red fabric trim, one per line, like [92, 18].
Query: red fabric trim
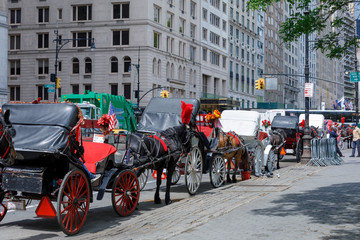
[95, 152]
[161, 141]
[7, 150]
[237, 140]
[206, 130]
[263, 135]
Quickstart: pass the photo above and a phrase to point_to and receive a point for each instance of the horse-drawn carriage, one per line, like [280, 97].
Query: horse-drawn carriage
[261, 146]
[290, 126]
[50, 165]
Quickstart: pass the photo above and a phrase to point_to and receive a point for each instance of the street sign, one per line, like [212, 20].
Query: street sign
[309, 89]
[51, 89]
[354, 76]
[49, 85]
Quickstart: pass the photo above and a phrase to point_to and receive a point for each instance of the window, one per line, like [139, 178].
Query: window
[224, 61]
[88, 66]
[82, 13]
[14, 67]
[182, 26]
[224, 43]
[224, 25]
[15, 93]
[127, 64]
[85, 39]
[87, 87]
[204, 14]
[75, 89]
[14, 42]
[192, 53]
[43, 93]
[156, 40]
[204, 35]
[43, 15]
[182, 5]
[214, 38]
[121, 37]
[127, 91]
[204, 54]
[156, 14]
[192, 30]
[43, 40]
[114, 65]
[169, 20]
[60, 14]
[43, 66]
[15, 16]
[192, 9]
[121, 11]
[214, 20]
[214, 58]
[114, 89]
[75, 66]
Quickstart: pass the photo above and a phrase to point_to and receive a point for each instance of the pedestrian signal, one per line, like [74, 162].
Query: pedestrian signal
[58, 82]
[164, 94]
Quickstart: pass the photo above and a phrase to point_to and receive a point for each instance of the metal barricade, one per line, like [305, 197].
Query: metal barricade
[324, 153]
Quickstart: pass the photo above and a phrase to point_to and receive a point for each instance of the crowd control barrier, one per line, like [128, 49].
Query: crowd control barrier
[323, 152]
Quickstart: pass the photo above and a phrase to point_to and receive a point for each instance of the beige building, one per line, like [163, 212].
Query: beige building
[3, 51]
[161, 38]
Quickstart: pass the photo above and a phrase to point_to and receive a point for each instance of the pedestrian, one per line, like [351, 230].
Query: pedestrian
[333, 134]
[356, 141]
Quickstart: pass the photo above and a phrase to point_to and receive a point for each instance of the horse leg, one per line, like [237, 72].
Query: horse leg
[228, 179]
[170, 171]
[159, 171]
[237, 162]
[278, 160]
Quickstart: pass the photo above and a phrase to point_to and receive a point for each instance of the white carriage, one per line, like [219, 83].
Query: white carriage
[247, 125]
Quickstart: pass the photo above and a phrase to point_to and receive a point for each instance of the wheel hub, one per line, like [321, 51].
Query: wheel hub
[127, 193]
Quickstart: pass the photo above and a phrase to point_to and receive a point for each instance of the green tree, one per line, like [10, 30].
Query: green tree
[315, 18]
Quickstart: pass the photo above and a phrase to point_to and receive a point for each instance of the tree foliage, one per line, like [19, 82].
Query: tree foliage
[316, 17]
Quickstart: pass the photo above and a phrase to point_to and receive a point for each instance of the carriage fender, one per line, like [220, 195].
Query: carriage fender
[266, 153]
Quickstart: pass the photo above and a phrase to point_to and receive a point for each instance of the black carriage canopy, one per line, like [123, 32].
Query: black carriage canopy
[289, 122]
[163, 113]
[42, 128]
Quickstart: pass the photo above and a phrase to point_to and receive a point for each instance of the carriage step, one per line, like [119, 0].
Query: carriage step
[16, 205]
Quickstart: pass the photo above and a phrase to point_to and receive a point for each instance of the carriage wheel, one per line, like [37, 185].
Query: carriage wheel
[143, 178]
[258, 160]
[176, 175]
[217, 171]
[193, 170]
[271, 161]
[125, 193]
[73, 201]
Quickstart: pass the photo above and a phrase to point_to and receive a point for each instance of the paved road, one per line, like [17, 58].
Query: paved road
[302, 203]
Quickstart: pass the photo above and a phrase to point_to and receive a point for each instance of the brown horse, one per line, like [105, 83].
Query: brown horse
[347, 134]
[229, 141]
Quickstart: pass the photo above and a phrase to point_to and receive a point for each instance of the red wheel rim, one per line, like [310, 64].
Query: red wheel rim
[125, 193]
[73, 202]
[4, 211]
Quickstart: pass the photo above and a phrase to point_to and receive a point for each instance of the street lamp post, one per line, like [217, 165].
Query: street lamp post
[306, 155]
[356, 85]
[60, 43]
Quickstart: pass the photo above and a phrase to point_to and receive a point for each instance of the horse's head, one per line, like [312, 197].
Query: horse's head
[7, 132]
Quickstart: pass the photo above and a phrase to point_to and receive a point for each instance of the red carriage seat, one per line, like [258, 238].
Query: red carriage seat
[263, 135]
[96, 153]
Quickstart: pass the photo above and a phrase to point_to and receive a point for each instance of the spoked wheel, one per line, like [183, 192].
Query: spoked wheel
[217, 171]
[193, 170]
[143, 178]
[176, 175]
[258, 160]
[125, 193]
[73, 201]
[271, 161]
[3, 208]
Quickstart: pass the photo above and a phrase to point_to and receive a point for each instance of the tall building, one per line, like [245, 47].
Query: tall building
[274, 62]
[260, 53]
[214, 45]
[3, 51]
[243, 40]
[149, 44]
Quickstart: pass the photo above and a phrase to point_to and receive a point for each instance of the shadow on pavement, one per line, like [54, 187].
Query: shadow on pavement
[336, 205]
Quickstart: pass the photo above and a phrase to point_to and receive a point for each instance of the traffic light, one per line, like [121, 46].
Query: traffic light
[164, 94]
[257, 84]
[262, 83]
[52, 77]
[58, 82]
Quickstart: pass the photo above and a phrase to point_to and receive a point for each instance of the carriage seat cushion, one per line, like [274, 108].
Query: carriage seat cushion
[263, 135]
[96, 152]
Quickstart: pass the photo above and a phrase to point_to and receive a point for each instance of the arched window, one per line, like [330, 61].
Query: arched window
[88, 67]
[168, 70]
[172, 75]
[184, 74]
[114, 65]
[194, 77]
[154, 67]
[159, 68]
[127, 64]
[75, 66]
[190, 76]
[180, 73]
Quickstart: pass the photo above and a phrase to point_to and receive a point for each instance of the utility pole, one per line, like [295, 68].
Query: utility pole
[356, 83]
[306, 155]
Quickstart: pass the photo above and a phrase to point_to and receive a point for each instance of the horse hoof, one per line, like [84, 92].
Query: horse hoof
[168, 202]
[234, 180]
[157, 201]
[228, 180]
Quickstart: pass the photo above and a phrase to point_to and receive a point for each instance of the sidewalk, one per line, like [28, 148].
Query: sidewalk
[322, 206]
[303, 203]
